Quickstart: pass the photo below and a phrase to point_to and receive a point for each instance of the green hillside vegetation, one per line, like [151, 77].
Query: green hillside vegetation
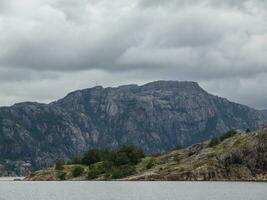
[232, 156]
[96, 163]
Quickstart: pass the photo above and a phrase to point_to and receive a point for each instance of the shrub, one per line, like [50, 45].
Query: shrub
[107, 165]
[62, 176]
[177, 147]
[134, 154]
[60, 165]
[213, 142]
[150, 163]
[92, 175]
[228, 134]
[122, 171]
[177, 157]
[77, 171]
[92, 156]
[248, 130]
[120, 158]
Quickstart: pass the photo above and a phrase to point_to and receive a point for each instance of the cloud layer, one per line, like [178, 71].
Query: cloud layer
[50, 47]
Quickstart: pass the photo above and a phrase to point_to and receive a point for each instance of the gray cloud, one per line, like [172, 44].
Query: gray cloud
[50, 44]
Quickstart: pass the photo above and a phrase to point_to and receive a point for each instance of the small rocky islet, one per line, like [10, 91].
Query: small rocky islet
[231, 157]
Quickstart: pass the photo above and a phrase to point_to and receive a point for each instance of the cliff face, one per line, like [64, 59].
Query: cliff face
[264, 112]
[156, 116]
[242, 157]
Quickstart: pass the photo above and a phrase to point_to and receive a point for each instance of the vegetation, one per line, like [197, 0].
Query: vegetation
[77, 171]
[232, 157]
[150, 163]
[217, 140]
[62, 176]
[213, 142]
[96, 163]
[228, 134]
[59, 165]
[177, 147]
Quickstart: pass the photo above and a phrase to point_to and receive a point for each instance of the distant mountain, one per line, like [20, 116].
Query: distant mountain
[156, 116]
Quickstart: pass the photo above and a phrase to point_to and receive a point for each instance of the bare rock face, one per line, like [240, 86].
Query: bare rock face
[156, 116]
[264, 112]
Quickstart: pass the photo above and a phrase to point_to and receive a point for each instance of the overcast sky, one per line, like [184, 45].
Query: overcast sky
[51, 47]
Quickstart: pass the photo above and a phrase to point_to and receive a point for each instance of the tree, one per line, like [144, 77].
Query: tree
[228, 134]
[122, 171]
[77, 171]
[92, 156]
[93, 173]
[150, 163]
[134, 154]
[213, 142]
[60, 165]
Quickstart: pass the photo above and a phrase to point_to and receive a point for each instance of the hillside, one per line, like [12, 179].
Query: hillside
[156, 117]
[233, 157]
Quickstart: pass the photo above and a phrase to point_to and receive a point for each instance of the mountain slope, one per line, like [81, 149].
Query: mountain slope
[264, 112]
[156, 116]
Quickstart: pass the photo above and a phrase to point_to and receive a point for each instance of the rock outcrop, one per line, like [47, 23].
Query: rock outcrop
[156, 116]
[264, 112]
[242, 157]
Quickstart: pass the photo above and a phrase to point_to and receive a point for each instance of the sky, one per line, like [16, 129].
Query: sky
[49, 48]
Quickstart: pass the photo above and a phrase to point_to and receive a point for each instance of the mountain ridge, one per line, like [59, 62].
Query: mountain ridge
[155, 116]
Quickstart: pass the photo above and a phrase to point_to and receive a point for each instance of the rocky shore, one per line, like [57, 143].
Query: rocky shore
[238, 157]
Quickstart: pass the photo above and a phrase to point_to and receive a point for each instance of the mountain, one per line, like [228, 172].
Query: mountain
[264, 112]
[234, 157]
[156, 116]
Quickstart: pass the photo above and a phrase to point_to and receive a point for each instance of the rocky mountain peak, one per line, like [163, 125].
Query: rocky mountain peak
[156, 116]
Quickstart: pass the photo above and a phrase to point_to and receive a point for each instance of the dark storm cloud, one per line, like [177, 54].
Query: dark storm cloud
[48, 43]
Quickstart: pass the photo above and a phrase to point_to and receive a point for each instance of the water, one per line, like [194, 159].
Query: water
[10, 190]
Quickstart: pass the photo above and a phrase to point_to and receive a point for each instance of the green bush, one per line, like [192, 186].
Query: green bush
[122, 171]
[150, 163]
[228, 134]
[120, 158]
[134, 154]
[62, 176]
[77, 171]
[213, 142]
[60, 165]
[92, 174]
[92, 156]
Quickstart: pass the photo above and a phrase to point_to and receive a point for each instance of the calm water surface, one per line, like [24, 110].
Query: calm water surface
[10, 190]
